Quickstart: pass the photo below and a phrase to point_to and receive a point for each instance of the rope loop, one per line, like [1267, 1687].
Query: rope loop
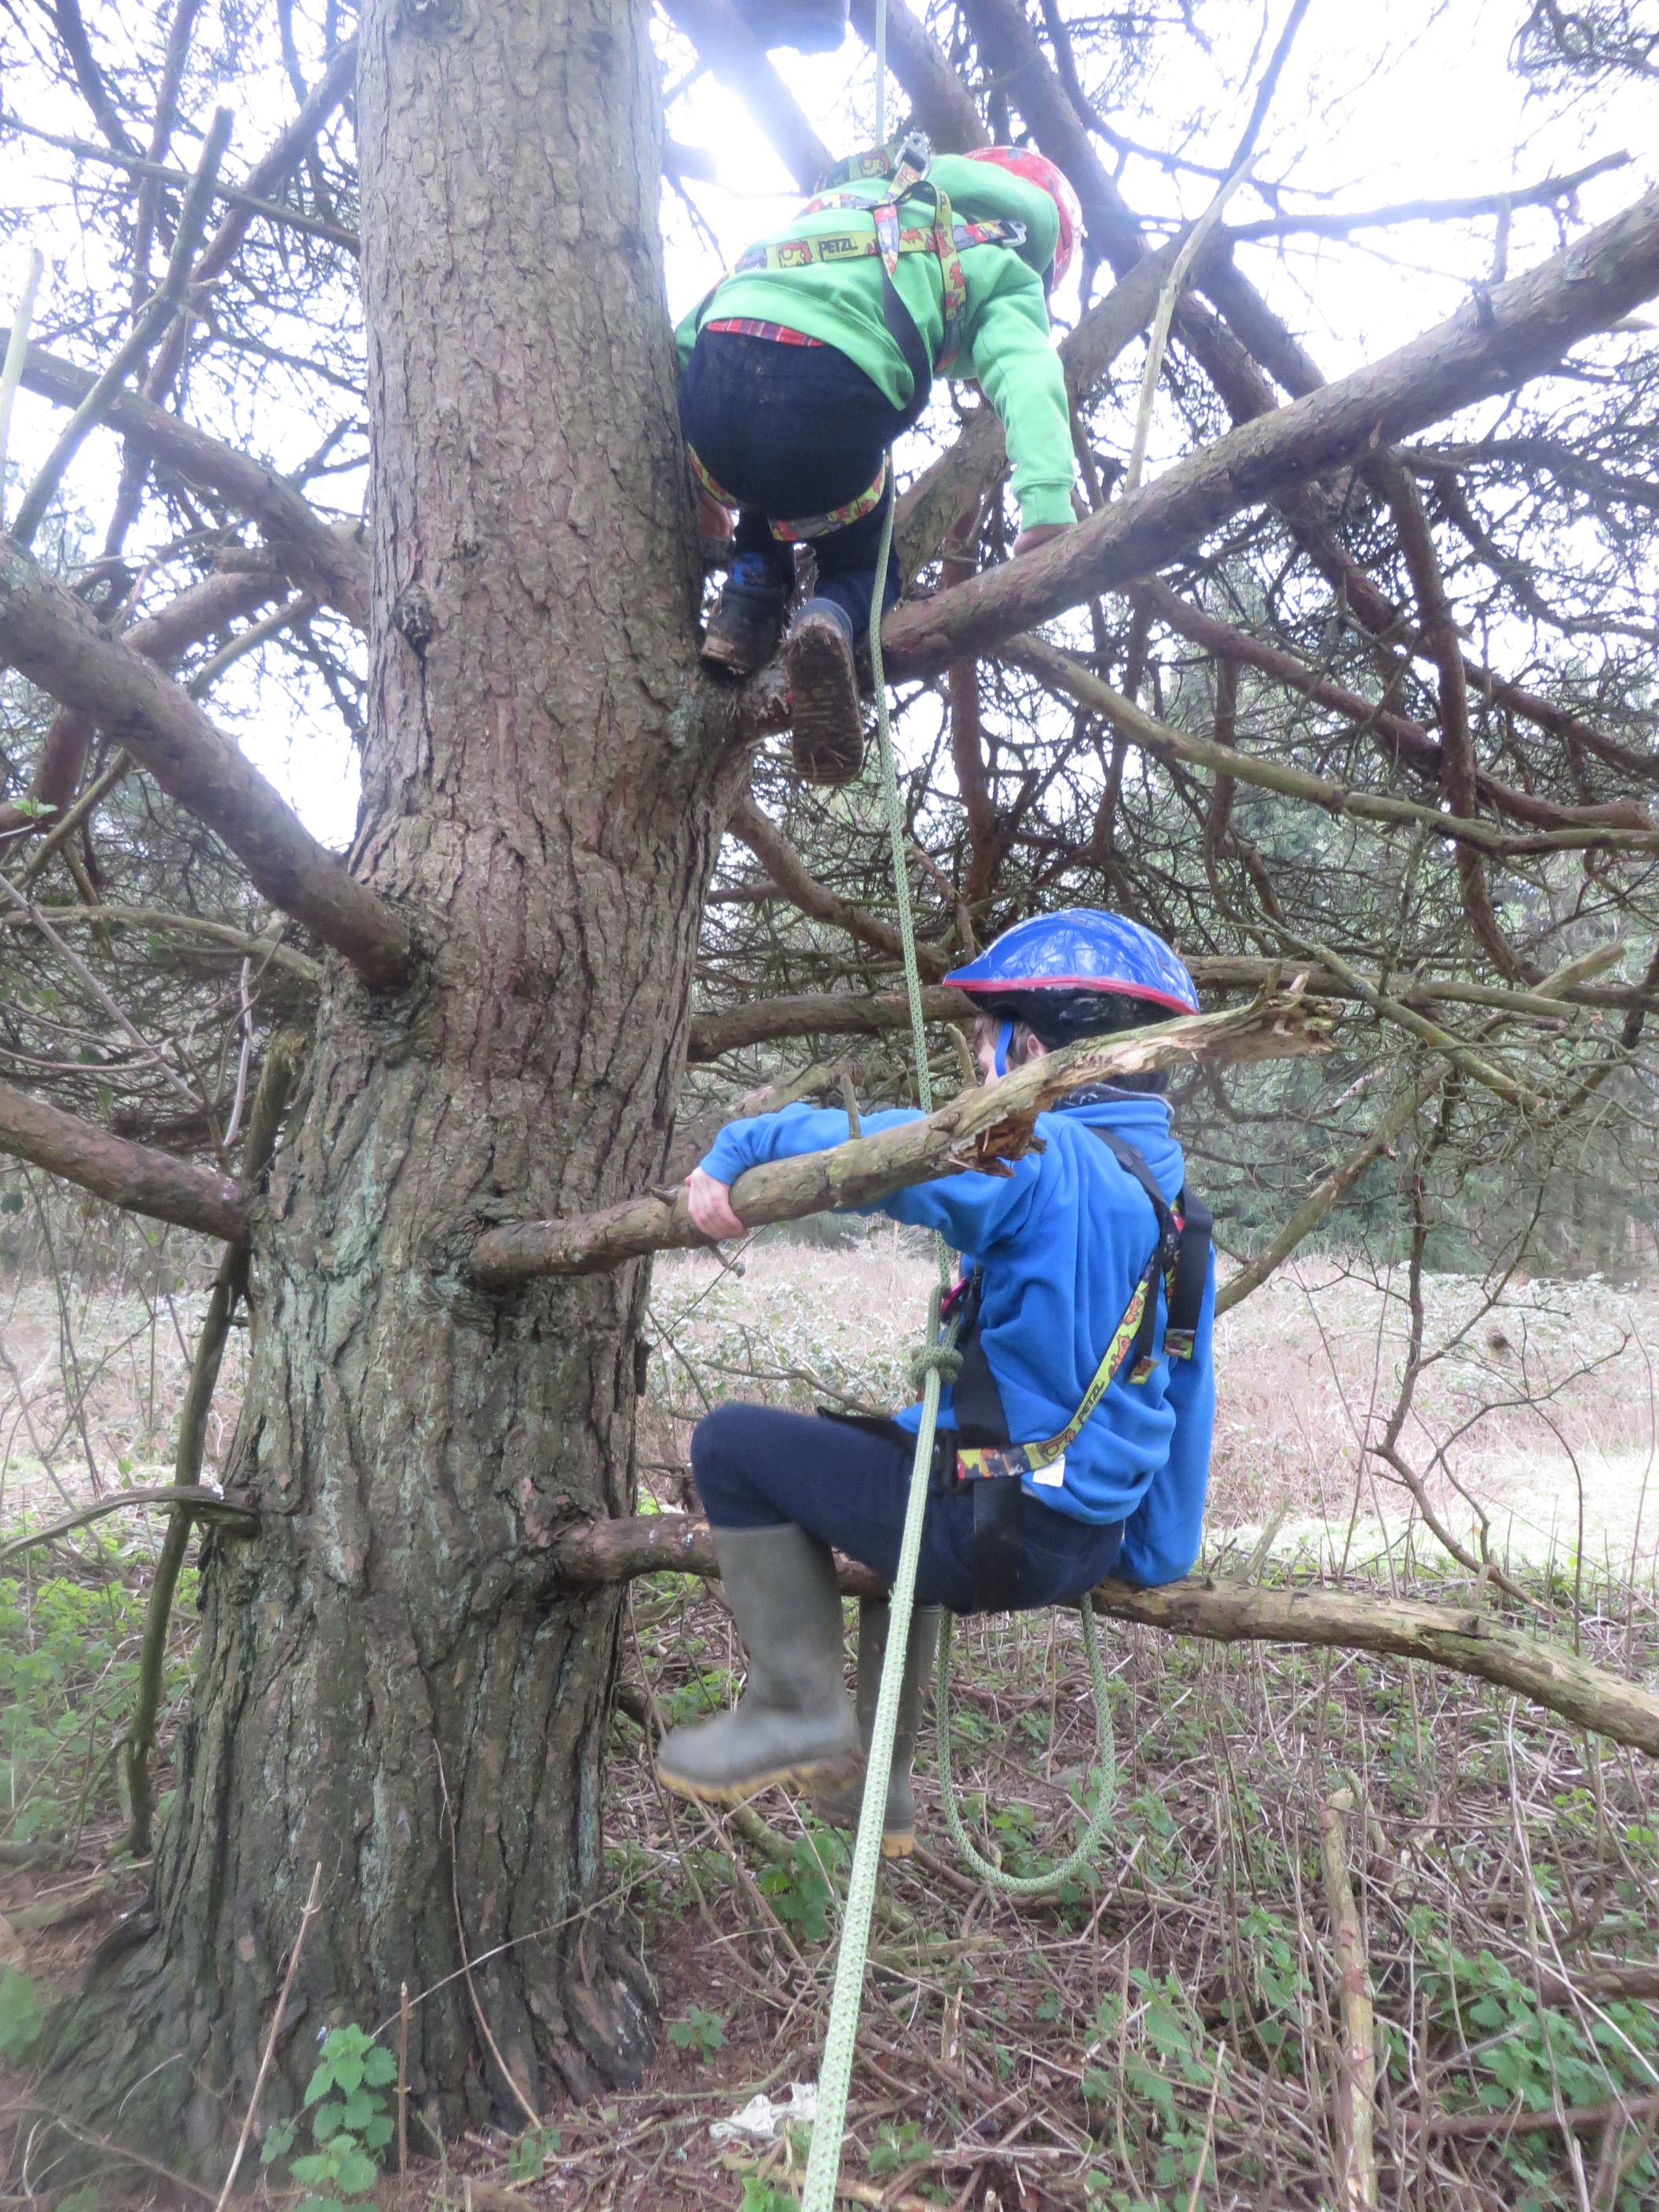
[1098, 1817]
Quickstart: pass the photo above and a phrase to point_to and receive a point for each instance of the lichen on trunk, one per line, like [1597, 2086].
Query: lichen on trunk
[392, 1679]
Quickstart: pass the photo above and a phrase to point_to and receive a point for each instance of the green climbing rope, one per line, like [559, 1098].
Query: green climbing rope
[1099, 1815]
[937, 1357]
[937, 1360]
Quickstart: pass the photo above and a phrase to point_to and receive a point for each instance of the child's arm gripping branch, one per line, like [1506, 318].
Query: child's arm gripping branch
[971, 1210]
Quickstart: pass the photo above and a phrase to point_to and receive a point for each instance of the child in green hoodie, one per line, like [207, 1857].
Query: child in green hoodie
[801, 368]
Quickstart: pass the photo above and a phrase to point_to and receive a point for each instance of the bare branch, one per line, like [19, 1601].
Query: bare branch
[158, 173]
[791, 876]
[146, 327]
[312, 551]
[1320, 1200]
[55, 641]
[1059, 669]
[163, 637]
[136, 1176]
[265, 948]
[1409, 743]
[1512, 334]
[1549, 191]
[237, 1519]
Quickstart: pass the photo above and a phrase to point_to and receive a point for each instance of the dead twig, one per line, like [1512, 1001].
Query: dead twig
[306, 1918]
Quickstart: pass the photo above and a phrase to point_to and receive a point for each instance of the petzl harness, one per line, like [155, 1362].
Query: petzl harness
[985, 1455]
[903, 167]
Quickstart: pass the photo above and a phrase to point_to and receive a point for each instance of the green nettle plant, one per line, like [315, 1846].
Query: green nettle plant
[700, 2032]
[352, 2122]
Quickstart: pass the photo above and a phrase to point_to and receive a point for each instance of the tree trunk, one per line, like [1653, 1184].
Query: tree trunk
[394, 1648]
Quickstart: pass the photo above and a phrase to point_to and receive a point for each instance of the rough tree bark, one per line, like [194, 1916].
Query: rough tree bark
[395, 1647]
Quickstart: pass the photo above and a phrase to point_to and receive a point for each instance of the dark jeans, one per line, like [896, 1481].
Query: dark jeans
[791, 431]
[756, 1466]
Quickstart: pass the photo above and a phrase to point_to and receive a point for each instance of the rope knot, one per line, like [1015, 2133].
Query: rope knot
[942, 1359]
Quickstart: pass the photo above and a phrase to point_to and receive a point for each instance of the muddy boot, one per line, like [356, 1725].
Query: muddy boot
[793, 1722]
[840, 1806]
[745, 626]
[828, 727]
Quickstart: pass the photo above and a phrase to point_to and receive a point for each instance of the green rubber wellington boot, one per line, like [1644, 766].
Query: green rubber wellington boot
[793, 1722]
[840, 1806]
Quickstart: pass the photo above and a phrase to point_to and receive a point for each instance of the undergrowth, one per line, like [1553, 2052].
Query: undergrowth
[69, 1637]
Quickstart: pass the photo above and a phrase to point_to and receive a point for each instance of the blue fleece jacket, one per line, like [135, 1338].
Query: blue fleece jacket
[1063, 1240]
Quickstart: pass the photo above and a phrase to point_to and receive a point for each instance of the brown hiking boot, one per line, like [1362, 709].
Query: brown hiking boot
[828, 726]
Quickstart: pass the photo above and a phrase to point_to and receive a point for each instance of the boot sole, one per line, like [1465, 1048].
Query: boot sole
[825, 695]
[802, 1774]
[734, 664]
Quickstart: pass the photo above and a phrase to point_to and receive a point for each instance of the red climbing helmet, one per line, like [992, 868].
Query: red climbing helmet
[1038, 170]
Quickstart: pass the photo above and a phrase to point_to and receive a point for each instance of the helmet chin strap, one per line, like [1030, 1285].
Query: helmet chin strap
[1005, 1038]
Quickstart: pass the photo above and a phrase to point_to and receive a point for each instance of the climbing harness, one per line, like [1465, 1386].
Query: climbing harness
[802, 528]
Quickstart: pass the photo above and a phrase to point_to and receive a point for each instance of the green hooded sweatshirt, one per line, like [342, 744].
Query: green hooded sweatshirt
[1005, 342]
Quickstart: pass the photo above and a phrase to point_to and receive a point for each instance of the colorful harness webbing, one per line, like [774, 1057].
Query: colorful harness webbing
[800, 528]
[902, 166]
[948, 236]
[1181, 1255]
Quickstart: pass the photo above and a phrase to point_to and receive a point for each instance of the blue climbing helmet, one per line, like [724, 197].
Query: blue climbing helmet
[1079, 973]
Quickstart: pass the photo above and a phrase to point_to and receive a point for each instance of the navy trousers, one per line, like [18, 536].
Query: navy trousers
[791, 431]
[755, 1467]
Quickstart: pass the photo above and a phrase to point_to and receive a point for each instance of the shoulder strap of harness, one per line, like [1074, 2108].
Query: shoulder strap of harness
[1182, 1258]
[1181, 1255]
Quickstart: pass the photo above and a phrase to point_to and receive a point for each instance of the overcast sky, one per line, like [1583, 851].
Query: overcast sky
[1404, 101]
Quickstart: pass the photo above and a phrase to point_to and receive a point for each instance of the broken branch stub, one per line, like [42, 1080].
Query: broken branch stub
[867, 1169]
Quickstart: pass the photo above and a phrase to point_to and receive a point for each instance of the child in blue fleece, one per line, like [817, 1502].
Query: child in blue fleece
[1053, 1253]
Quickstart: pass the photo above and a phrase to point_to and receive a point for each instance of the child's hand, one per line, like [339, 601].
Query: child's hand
[710, 1204]
[1039, 534]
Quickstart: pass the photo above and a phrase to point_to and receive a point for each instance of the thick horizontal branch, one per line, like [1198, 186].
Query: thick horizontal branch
[136, 1176]
[817, 1013]
[237, 1519]
[1461, 1640]
[56, 641]
[325, 558]
[1062, 674]
[989, 1123]
[1515, 332]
